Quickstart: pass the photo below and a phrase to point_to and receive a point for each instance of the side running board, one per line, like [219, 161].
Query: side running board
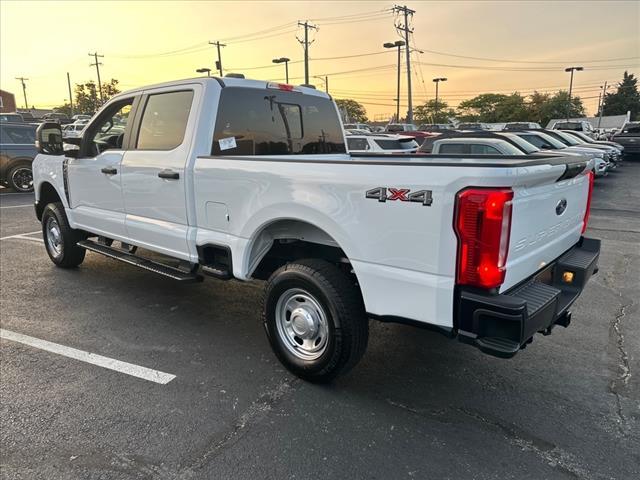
[144, 263]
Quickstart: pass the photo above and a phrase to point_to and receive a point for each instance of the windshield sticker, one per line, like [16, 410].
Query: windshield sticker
[227, 143]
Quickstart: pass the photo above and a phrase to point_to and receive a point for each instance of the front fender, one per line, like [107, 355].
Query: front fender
[50, 169]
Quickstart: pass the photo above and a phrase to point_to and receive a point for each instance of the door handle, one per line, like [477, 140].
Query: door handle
[169, 174]
[109, 170]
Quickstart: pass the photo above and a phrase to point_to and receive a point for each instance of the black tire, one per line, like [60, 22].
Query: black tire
[341, 303]
[20, 177]
[62, 248]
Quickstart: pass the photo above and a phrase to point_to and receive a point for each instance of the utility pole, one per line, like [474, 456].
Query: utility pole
[306, 44]
[571, 69]
[601, 104]
[407, 12]
[70, 95]
[219, 62]
[24, 90]
[97, 65]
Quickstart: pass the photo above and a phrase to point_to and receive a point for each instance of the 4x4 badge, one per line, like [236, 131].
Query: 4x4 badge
[382, 194]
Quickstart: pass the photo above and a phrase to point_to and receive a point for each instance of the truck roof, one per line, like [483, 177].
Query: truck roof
[224, 82]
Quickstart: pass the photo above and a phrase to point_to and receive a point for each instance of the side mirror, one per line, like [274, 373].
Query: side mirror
[49, 139]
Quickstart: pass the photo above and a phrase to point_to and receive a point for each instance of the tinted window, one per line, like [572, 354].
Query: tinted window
[274, 122]
[164, 121]
[18, 135]
[454, 148]
[357, 144]
[484, 150]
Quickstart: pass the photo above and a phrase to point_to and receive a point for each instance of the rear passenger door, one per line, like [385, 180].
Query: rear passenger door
[154, 171]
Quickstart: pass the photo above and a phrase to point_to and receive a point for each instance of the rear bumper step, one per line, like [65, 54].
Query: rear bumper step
[144, 263]
[502, 324]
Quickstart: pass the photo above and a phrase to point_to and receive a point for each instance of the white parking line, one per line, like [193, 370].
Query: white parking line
[17, 206]
[31, 239]
[18, 235]
[105, 362]
[16, 193]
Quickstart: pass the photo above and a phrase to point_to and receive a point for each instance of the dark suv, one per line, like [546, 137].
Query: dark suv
[17, 151]
[629, 138]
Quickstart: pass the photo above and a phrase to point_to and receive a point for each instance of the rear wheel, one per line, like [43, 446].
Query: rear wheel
[20, 178]
[60, 239]
[315, 319]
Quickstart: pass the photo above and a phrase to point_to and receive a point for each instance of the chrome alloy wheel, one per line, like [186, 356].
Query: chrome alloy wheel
[54, 237]
[302, 324]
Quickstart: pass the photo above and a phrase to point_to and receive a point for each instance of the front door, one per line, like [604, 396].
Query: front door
[95, 188]
[153, 173]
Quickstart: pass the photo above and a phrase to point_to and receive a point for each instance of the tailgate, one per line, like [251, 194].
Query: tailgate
[546, 222]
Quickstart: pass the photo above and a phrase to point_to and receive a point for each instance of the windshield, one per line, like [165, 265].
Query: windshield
[570, 139]
[521, 142]
[581, 136]
[542, 140]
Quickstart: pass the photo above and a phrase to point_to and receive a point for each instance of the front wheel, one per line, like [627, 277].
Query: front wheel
[59, 238]
[315, 320]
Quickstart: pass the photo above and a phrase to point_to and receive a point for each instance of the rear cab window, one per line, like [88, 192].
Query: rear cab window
[253, 121]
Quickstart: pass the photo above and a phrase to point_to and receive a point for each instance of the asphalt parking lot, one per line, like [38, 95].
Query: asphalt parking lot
[417, 406]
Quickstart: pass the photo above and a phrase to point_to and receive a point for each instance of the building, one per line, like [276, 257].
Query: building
[610, 122]
[7, 102]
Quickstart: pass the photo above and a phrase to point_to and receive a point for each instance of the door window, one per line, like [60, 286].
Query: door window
[108, 132]
[164, 121]
[357, 144]
[478, 149]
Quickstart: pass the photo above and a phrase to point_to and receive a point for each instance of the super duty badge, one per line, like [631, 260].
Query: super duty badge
[382, 194]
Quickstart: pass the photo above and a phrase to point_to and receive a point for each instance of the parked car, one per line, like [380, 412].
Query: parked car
[11, 118]
[547, 142]
[474, 146]
[380, 143]
[214, 178]
[578, 126]
[357, 126]
[629, 138]
[435, 127]
[80, 116]
[17, 151]
[71, 130]
[521, 125]
[407, 129]
[616, 150]
[611, 154]
[472, 126]
[61, 118]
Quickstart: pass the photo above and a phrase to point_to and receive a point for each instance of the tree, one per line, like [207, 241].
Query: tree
[557, 105]
[625, 99]
[352, 111]
[482, 108]
[87, 99]
[426, 113]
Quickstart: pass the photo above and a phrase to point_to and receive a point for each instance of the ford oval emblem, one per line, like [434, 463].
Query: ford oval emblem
[561, 206]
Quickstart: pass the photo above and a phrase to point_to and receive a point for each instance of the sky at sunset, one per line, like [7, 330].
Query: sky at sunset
[479, 46]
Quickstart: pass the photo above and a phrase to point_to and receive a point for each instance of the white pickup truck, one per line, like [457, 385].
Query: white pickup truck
[243, 179]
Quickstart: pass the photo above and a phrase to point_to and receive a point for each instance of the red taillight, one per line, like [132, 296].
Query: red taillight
[483, 224]
[588, 210]
[281, 86]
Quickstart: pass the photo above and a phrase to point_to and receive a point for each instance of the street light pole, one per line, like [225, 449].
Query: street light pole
[437, 82]
[204, 70]
[399, 44]
[284, 60]
[571, 69]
